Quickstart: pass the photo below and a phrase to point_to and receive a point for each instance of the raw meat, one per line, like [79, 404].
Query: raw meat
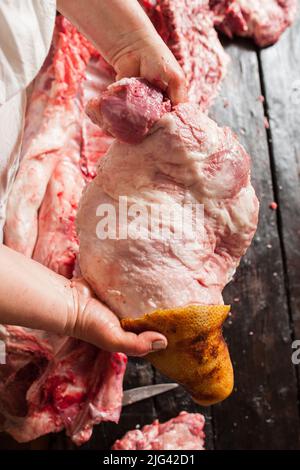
[265, 21]
[185, 432]
[95, 141]
[186, 158]
[117, 111]
[52, 130]
[187, 27]
[49, 382]
[57, 244]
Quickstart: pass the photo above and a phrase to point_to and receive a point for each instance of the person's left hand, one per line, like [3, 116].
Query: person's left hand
[92, 321]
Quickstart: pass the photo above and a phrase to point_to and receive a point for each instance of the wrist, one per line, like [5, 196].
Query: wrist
[128, 44]
[79, 294]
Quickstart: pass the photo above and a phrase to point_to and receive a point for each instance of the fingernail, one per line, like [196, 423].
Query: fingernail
[158, 345]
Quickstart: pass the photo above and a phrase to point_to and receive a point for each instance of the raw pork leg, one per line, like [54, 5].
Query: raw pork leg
[186, 158]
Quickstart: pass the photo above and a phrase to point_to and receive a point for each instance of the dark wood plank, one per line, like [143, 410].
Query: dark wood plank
[170, 404]
[262, 413]
[8, 443]
[281, 76]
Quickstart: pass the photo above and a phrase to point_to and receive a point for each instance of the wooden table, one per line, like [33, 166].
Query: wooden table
[263, 412]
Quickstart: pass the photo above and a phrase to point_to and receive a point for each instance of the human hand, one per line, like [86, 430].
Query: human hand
[127, 39]
[47, 301]
[149, 57]
[92, 321]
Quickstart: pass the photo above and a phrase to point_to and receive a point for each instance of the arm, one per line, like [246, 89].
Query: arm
[33, 296]
[126, 38]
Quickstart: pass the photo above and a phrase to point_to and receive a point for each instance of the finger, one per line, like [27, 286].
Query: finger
[167, 75]
[127, 66]
[110, 336]
[97, 324]
[172, 75]
[139, 345]
[177, 89]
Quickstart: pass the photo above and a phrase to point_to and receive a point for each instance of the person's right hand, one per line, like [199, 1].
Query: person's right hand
[125, 36]
[141, 55]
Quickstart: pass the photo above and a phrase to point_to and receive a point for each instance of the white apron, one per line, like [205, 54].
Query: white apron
[26, 28]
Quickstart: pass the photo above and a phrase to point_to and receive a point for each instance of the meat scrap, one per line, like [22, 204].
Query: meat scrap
[185, 432]
[273, 205]
[50, 383]
[263, 21]
[266, 123]
[187, 28]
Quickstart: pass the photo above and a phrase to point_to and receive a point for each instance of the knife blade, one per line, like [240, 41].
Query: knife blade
[141, 393]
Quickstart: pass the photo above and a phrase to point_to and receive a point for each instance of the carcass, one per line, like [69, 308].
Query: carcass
[49, 382]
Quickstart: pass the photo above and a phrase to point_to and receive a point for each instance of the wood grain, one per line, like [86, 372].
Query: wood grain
[263, 412]
[280, 66]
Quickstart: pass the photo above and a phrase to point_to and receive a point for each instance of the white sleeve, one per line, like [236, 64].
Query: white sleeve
[26, 28]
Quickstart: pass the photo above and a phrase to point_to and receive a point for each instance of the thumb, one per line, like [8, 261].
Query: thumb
[95, 323]
[139, 345]
[107, 333]
[177, 89]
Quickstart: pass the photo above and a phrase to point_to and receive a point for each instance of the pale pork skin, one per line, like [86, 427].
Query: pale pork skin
[185, 158]
[185, 432]
[264, 21]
